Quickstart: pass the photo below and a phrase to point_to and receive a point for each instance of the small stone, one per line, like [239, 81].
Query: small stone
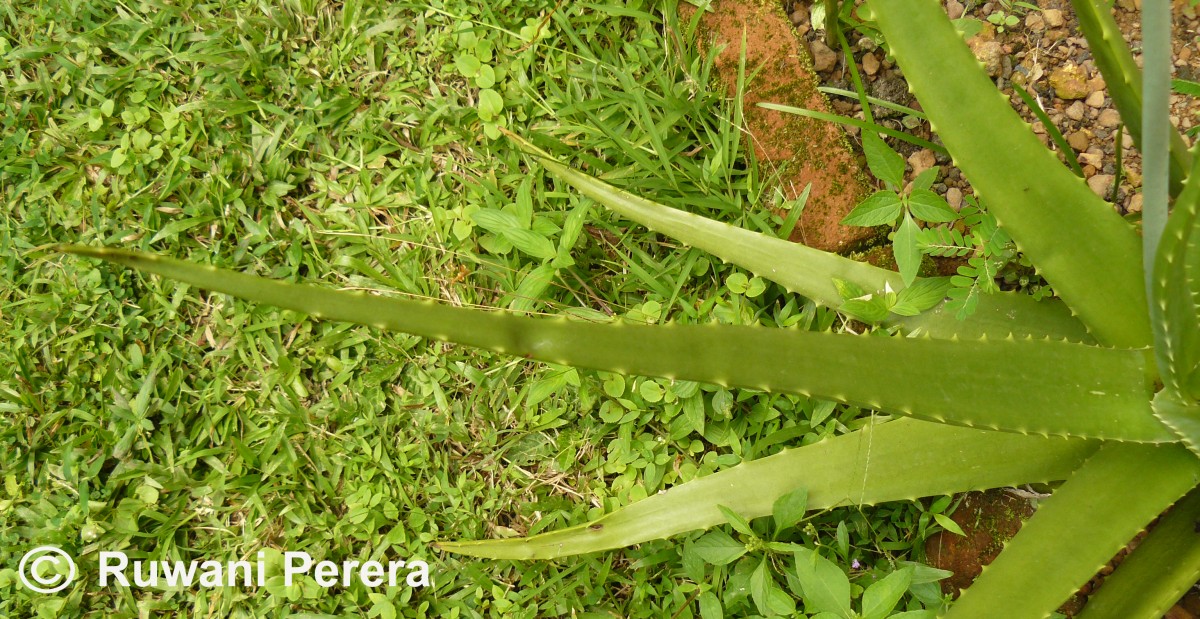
[1079, 140]
[1096, 99]
[1092, 159]
[870, 64]
[1070, 82]
[1109, 118]
[800, 15]
[955, 197]
[1127, 140]
[954, 9]
[1101, 184]
[1135, 204]
[1035, 22]
[1075, 111]
[1053, 17]
[989, 53]
[823, 58]
[922, 160]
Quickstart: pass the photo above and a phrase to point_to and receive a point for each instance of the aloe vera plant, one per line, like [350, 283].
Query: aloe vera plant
[1097, 388]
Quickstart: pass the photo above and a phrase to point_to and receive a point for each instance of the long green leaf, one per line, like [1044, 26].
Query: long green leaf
[854, 122]
[1062, 388]
[811, 272]
[1156, 127]
[1032, 195]
[893, 461]
[1123, 80]
[1079, 529]
[1157, 573]
[1175, 289]
[1056, 136]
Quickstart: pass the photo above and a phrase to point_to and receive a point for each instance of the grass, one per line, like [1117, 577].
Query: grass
[354, 144]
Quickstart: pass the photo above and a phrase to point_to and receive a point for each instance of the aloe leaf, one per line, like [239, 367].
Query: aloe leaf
[1078, 530]
[1064, 389]
[1175, 287]
[1157, 573]
[1123, 80]
[1156, 127]
[998, 314]
[811, 272]
[1181, 415]
[898, 460]
[796, 267]
[1031, 194]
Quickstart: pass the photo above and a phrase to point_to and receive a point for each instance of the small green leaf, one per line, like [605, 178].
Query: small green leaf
[915, 614]
[904, 247]
[651, 391]
[467, 64]
[614, 385]
[922, 295]
[1185, 87]
[848, 290]
[881, 207]
[494, 220]
[718, 548]
[486, 77]
[572, 228]
[710, 606]
[949, 525]
[106, 108]
[880, 598]
[826, 588]
[767, 596]
[886, 164]
[756, 287]
[789, 509]
[381, 606]
[843, 540]
[869, 310]
[693, 411]
[929, 206]
[925, 179]
[737, 521]
[737, 283]
[490, 104]
[530, 242]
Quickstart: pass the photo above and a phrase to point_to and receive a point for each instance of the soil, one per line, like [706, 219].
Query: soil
[786, 142]
[1043, 52]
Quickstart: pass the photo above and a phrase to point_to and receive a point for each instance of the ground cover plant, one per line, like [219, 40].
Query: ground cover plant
[1085, 385]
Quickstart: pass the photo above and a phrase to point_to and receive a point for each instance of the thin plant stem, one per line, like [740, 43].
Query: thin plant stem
[832, 27]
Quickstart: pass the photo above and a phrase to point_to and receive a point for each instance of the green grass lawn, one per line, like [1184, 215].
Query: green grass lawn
[357, 144]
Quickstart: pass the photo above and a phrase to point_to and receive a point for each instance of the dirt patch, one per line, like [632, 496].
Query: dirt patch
[989, 519]
[805, 150]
